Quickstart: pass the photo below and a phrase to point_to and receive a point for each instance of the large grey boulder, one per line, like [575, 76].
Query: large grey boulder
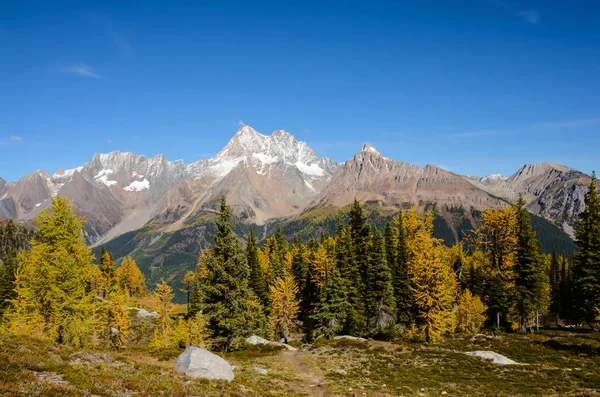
[492, 357]
[200, 363]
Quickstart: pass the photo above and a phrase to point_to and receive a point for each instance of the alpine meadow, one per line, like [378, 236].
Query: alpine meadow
[268, 265]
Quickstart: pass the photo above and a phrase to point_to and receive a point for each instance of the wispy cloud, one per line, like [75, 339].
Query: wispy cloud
[532, 16]
[16, 138]
[82, 70]
[108, 140]
[240, 123]
[542, 126]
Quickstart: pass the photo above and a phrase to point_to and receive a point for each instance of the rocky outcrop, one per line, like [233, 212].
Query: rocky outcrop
[492, 357]
[195, 362]
[257, 340]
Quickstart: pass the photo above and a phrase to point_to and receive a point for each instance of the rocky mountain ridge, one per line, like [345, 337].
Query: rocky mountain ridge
[274, 176]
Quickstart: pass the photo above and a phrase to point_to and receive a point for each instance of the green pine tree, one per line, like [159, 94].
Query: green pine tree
[380, 304]
[555, 281]
[530, 274]
[403, 290]
[586, 265]
[355, 321]
[223, 274]
[257, 279]
[356, 274]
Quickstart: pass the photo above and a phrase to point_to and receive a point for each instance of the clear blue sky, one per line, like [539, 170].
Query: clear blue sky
[478, 87]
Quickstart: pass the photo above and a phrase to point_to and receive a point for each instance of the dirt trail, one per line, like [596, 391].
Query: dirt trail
[313, 383]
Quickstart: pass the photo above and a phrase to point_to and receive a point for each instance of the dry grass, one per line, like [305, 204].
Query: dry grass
[559, 363]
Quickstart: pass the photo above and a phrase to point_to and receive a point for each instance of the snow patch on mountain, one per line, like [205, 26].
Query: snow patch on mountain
[493, 178]
[103, 175]
[264, 158]
[137, 186]
[310, 169]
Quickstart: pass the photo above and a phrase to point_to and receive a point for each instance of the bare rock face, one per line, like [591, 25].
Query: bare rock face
[200, 363]
[371, 177]
[552, 191]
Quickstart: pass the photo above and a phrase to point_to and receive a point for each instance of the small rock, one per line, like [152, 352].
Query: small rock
[261, 371]
[340, 371]
[444, 393]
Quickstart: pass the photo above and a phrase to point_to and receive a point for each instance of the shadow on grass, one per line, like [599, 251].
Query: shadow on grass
[572, 348]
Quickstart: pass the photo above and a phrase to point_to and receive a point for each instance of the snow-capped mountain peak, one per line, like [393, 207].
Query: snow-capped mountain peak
[249, 147]
[493, 178]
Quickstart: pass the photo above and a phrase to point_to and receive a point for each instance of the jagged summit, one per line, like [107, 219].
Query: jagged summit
[367, 147]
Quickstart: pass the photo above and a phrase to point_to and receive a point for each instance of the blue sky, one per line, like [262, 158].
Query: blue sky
[479, 87]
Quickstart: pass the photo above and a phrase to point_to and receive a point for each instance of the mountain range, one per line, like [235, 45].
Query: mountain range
[160, 212]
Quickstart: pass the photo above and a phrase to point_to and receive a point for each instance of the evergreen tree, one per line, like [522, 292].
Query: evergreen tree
[107, 264]
[403, 290]
[52, 286]
[586, 265]
[359, 231]
[497, 239]
[274, 258]
[555, 282]
[355, 317]
[223, 276]
[531, 287]
[257, 279]
[565, 293]
[391, 246]
[379, 299]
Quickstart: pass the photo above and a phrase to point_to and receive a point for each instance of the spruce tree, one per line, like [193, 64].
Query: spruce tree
[257, 281]
[379, 300]
[403, 290]
[586, 264]
[355, 321]
[555, 281]
[359, 231]
[530, 274]
[224, 282]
